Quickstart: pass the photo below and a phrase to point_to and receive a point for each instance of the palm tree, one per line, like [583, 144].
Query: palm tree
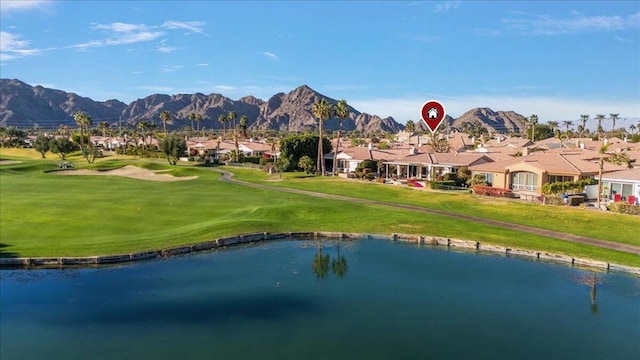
[632, 128]
[235, 141]
[554, 127]
[585, 118]
[198, 119]
[567, 124]
[410, 127]
[599, 117]
[522, 125]
[232, 118]
[192, 116]
[103, 126]
[143, 126]
[323, 111]
[533, 121]
[603, 151]
[243, 125]
[613, 118]
[165, 116]
[64, 130]
[222, 119]
[83, 121]
[342, 112]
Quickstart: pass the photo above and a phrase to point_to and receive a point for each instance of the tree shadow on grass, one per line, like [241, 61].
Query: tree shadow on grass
[7, 254]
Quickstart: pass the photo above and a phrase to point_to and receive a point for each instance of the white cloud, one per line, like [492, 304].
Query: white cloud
[119, 33]
[12, 47]
[202, 64]
[194, 26]
[9, 5]
[166, 49]
[156, 89]
[623, 40]
[547, 108]
[225, 88]
[121, 27]
[271, 55]
[170, 68]
[446, 6]
[532, 24]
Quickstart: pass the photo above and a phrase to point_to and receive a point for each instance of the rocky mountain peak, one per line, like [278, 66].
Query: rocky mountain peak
[26, 106]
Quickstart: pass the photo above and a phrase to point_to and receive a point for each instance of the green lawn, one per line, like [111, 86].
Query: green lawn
[43, 214]
[595, 224]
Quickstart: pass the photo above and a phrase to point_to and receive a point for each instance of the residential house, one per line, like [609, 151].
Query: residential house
[623, 185]
[527, 174]
[426, 165]
[349, 158]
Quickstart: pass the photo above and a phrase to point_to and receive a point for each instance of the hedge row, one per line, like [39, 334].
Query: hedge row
[625, 208]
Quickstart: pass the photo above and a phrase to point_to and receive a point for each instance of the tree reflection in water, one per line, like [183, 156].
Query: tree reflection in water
[592, 281]
[322, 262]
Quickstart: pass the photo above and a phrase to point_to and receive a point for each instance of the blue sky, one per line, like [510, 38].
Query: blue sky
[555, 59]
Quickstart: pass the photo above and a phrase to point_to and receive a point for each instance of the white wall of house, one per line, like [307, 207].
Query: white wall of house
[624, 188]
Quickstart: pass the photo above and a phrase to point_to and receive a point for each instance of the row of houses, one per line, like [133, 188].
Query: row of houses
[515, 164]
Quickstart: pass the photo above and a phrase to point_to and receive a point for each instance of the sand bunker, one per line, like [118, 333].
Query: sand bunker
[129, 171]
[9, 162]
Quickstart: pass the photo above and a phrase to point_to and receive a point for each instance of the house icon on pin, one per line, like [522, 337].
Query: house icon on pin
[432, 113]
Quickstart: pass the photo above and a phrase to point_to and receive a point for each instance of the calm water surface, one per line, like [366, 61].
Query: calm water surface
[267, 301]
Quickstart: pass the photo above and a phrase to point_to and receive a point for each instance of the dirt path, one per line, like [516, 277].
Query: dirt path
[228, 177]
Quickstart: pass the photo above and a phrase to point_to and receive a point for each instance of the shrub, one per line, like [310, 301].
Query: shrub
[367, 166]
[307, 164]
[252, 159]
[491, 191]
[624, 208]
[567, 186]
[439, 184]
[553, 200]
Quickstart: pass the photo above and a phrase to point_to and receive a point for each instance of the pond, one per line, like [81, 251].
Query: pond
[364, 299]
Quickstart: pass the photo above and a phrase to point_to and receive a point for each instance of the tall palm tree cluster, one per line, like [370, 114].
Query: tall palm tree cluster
[323, 110]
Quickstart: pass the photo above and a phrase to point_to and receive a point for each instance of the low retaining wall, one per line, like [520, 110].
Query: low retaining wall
[468, 245]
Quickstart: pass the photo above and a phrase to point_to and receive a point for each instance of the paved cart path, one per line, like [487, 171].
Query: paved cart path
[228, 177]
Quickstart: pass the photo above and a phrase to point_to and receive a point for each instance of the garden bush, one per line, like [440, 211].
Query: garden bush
[439, 184]
[624, 208]
[491, 191]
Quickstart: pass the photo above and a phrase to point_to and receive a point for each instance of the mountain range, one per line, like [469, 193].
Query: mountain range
[27, 106]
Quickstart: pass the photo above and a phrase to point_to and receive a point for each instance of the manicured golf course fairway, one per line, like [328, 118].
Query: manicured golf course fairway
[45, 214]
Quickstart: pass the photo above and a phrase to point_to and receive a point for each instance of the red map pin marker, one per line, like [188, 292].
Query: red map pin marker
[432, 114]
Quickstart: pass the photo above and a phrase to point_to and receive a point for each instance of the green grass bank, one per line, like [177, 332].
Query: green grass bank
[43, 214]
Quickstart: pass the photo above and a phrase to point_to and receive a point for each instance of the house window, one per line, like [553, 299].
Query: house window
[624, 190]
[560, 178]
[524, 181]
[488, 177]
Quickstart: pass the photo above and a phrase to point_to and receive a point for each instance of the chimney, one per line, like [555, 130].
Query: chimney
[413, 150]
[525, 151]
